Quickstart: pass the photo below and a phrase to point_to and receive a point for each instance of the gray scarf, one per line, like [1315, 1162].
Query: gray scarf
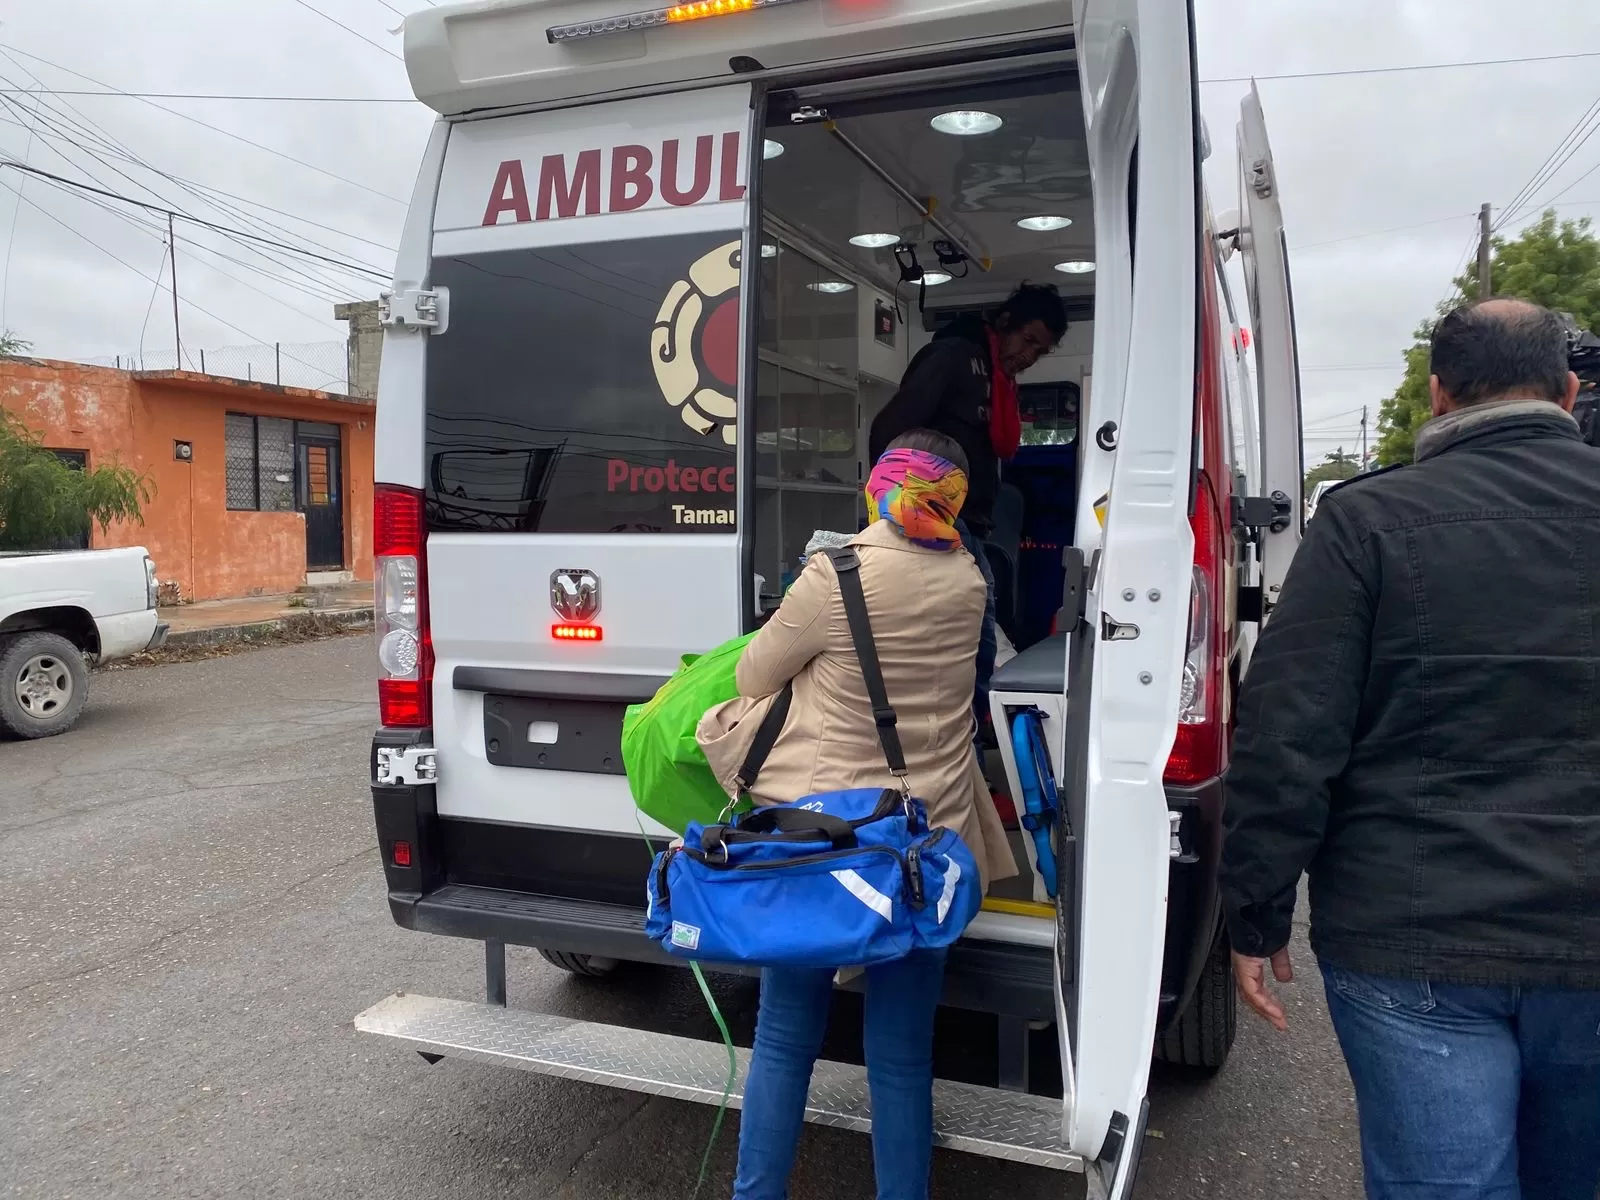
[1440, 433]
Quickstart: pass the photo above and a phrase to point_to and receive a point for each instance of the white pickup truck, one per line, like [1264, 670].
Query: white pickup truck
[59, 612]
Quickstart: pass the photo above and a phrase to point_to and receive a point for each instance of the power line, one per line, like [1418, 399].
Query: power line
[127, 156]
[1356, 237]
[214, 128]
[219, 96]
[1571, 142]
[11, 240]
[1445, 66]
[1573, 184]
[238, 233]
[68, 129]
[316, 289]
[309, 7]
[310, 282]
[187, 183]
[62, 182]
[125, 263]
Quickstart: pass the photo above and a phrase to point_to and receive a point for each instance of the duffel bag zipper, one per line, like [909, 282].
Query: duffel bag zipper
[913, 862]
[910, 868]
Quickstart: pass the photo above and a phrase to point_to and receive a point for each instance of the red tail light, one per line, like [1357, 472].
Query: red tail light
[400, 608]
[402, 854]
[1197, 753]
[577, 633]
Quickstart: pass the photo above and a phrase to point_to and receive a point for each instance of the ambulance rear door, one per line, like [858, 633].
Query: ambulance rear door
[1127, 652]
[1264, 253]
[580, 466]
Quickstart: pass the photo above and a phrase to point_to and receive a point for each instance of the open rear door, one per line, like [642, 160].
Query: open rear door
[1127, 653]
[1265, 254]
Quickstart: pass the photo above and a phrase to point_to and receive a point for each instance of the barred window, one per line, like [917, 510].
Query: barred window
[259, 454]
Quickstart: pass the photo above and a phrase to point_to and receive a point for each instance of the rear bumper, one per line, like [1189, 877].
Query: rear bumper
[982, 976]
[158, 639]
[560, 889]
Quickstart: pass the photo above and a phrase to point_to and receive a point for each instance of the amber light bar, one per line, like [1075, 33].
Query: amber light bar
[651, 18]
[576, 633]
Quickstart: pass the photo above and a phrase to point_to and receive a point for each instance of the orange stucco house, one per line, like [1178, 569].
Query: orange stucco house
[259, 489]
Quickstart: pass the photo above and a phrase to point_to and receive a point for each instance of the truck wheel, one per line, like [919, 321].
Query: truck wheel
[43, 685]
[1203, 1034]
[590, 966]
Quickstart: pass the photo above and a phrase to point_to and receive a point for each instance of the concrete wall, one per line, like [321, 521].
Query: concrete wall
[364, 346]
[210, 551]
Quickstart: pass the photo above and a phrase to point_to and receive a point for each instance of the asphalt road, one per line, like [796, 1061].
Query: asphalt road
[194, 911]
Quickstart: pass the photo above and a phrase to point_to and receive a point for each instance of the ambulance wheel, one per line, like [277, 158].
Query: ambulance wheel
[1203, 1034]
[589, 966]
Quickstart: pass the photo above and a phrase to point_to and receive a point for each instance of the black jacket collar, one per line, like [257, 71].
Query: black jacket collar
[1494, 424]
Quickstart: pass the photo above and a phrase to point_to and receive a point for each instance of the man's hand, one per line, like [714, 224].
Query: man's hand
[1251, 975]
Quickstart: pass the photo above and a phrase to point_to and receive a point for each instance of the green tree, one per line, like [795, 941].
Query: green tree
[44, 502]
[1553, 263]
[11, 346]
[1337, 465]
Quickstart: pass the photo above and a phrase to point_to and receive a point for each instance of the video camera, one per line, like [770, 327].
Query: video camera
[1583, 359]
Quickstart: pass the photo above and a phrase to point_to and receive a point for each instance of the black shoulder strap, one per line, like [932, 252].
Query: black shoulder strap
[848, 567]
[766, 738]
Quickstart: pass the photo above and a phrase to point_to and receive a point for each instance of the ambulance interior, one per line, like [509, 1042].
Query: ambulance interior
[856, 275]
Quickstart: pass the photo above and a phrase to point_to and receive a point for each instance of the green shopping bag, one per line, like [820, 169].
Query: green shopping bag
[667, 771]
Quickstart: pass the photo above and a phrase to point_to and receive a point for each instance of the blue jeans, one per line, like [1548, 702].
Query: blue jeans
[987, 643]
[901, 999]
[1471, 1093]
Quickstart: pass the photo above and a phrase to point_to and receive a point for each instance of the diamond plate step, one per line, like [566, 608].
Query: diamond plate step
[978, 1120]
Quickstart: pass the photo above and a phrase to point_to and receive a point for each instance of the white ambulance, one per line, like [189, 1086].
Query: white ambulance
[661, 269]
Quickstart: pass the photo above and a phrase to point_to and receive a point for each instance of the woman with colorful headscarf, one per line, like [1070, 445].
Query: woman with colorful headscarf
[925, 598]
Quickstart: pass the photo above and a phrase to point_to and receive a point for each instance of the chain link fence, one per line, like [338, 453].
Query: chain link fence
[321, 366]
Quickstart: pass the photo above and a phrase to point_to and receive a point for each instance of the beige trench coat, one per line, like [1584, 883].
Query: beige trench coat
[926, 608]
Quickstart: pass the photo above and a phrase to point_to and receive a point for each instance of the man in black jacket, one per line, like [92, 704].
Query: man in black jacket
[963, 385]
[1420, 731]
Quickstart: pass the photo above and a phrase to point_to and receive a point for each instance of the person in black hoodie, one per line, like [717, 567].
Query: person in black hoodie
[963, 384]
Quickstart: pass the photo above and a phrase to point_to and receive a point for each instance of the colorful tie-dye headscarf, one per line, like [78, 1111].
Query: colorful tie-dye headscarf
[920, 494]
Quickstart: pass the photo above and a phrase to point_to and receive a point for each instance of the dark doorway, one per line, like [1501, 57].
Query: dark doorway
[319, 494]
[78, 460]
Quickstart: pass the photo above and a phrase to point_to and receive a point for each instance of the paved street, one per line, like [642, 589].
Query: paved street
[194, 912]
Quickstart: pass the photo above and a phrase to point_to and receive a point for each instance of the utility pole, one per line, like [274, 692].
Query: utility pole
[1485, 291]
[1363, 466]
[172, 253]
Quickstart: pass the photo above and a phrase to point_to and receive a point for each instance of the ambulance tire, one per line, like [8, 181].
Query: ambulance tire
[1202, 1036]
[589, 966]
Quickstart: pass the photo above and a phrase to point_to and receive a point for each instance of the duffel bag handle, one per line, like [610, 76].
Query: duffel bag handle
[799, 820]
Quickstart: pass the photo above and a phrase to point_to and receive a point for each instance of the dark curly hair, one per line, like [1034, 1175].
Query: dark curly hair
[1034, 302]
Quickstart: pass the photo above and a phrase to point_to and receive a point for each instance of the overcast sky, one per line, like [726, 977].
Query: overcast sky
[1357, 156]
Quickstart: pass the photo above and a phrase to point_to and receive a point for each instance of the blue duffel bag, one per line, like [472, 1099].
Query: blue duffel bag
[837, 879]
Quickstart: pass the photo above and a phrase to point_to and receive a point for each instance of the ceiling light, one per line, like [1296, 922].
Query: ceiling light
[831, 287]
[769, 250]
[935, 278]
[874, 241]
[966, 122]
[771, 149]
[1043, 224]
[1078, 266]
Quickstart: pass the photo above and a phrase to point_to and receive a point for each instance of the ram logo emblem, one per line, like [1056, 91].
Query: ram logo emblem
[575, 595]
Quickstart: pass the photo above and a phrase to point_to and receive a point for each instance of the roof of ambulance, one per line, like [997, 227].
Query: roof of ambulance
[496, 54]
